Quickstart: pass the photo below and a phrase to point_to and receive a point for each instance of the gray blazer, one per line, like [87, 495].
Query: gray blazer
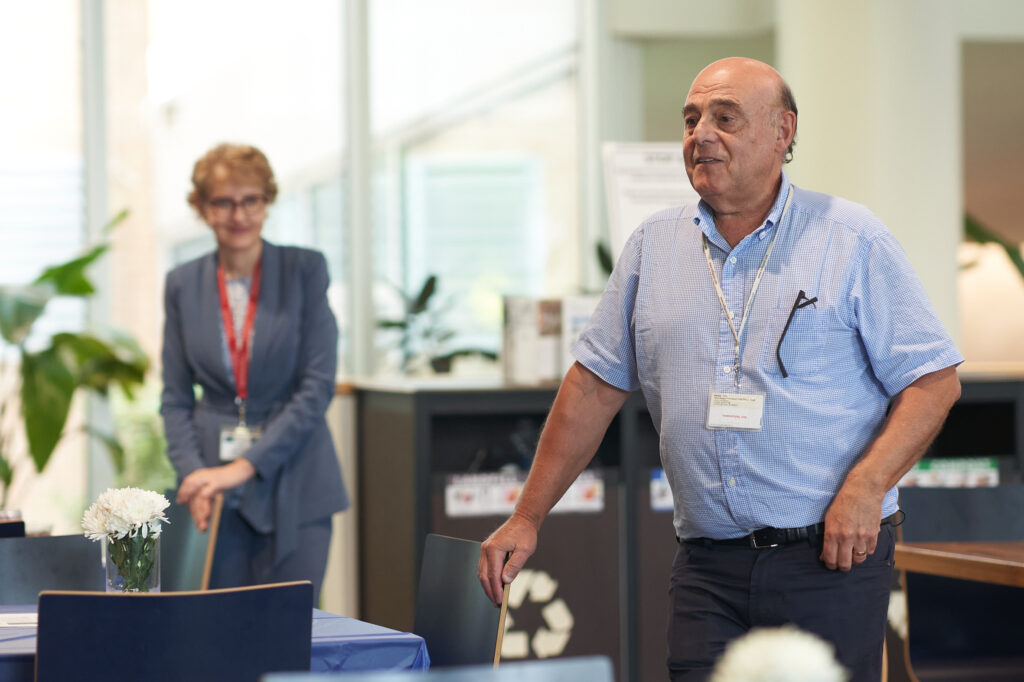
[291, 383]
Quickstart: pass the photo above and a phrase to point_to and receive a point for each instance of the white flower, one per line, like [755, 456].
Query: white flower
[897, 615]
[784, 654]
[125, 512]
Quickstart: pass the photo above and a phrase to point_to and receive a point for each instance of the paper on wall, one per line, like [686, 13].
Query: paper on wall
[642, 178]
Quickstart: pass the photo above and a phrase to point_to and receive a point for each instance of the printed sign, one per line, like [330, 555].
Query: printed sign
[467, 495]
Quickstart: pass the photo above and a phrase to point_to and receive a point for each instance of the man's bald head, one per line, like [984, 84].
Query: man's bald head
[754, 69]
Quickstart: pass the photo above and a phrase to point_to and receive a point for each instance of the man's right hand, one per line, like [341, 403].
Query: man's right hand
[579, 417]
[515, 539]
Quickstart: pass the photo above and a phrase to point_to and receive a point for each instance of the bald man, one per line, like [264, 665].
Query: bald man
[794, 369]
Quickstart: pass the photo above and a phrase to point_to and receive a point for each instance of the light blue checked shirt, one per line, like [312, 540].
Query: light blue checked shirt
[660, 327]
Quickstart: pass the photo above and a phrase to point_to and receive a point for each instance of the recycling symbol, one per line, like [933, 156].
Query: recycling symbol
[549, 639]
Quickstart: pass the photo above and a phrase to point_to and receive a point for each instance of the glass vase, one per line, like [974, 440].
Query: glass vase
[132, 564]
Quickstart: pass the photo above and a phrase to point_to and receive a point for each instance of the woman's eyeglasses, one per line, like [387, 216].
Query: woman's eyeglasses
[224, 207]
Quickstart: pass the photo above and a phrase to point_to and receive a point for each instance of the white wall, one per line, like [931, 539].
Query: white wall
[340, 592]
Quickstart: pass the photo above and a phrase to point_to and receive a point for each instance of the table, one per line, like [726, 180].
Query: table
[1001, 563]
[339, 644]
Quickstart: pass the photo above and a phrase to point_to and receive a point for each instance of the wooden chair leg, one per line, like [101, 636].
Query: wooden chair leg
[211, 542]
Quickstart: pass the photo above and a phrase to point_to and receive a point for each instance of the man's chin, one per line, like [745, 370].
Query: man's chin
[704, 187]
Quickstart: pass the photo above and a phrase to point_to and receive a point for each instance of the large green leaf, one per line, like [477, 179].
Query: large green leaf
[975, 231]
[20, 307]
[98, 365]
[47, 385]
[68, 279]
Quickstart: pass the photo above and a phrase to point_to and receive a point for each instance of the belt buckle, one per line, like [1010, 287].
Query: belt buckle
[753, 542]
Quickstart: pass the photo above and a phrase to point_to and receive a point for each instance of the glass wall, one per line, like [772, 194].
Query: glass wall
[475, 160]
[42, 199]
[42, 223]
[261, 73]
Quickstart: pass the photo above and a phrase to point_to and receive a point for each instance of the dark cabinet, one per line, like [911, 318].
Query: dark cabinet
[580, 597]
[608, 566]
[987, 421]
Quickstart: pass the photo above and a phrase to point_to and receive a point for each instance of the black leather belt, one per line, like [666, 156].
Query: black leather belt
[776, 537]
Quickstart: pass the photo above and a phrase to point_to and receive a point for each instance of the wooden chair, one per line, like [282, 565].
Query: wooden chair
[453, 615]
[186, 554]
[29, 565]
[961, 629]
[231, 634]
[582, 669]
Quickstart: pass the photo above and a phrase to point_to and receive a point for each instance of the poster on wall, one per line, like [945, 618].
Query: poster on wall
[642, 178]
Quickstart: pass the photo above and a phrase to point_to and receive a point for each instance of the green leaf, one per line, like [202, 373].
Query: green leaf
[604, 258]
[392, 324]
[46, 389]
[422, 299]
[98, 365]
[120, 217]
[68, 279]
[975, 231]
[6, 472]
[20, 307]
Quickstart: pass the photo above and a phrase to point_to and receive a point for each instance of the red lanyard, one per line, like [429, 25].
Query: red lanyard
[238, 349]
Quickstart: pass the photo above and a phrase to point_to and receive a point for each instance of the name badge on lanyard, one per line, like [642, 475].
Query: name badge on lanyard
[236, 440]
[742, 411]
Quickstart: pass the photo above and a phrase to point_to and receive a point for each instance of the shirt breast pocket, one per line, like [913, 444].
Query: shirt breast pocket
[816, 344]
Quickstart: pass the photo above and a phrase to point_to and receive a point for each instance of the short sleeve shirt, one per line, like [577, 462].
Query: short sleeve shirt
[660, 327]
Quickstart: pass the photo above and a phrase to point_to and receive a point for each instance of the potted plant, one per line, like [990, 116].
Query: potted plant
[37, 384]
[422, 336]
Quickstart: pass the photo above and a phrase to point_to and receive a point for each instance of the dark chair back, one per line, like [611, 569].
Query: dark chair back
[453, 615]
[992, 514]
[183, 549]
[29, 565]
[12, 529]
[952, 623]
[582, 669]
[231, 634]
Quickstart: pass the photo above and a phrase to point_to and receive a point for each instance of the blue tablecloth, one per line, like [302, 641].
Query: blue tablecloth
[339, 644]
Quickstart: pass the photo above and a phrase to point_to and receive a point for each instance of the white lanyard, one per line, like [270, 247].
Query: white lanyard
[738, 334]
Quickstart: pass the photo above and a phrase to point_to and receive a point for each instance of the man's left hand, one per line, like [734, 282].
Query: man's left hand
[851, 528]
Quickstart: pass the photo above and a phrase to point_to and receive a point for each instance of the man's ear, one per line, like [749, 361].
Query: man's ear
[786, 130]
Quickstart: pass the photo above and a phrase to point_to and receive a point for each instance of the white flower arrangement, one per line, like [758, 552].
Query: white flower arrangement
[125, 512]
[129, 519]
[783, 654]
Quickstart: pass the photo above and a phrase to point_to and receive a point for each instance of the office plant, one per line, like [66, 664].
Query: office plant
[39, 380]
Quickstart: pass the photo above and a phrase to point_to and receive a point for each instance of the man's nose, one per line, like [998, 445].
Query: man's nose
[703, 131]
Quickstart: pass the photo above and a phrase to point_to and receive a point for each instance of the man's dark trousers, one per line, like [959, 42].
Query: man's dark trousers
[719, 592]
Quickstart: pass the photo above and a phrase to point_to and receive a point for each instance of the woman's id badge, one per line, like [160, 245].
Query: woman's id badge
[236, 440]
[741, 411]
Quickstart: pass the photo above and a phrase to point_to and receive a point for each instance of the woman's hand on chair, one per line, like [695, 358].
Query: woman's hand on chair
[198, 489]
